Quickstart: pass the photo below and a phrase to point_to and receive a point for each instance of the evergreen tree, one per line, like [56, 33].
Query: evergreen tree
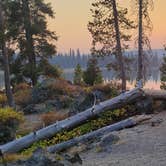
[48, 70]
[78, 75]
[93, 74]
[5, 38]
[34, 39]
[163, 73]
[107, 30]
[144, 27]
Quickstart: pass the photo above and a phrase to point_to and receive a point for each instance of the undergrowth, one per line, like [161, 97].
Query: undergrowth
[104, 119]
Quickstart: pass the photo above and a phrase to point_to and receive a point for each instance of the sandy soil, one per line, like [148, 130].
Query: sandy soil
[143, 145]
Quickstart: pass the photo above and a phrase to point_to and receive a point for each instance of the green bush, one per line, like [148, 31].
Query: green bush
[3, 100]
[78, 75]
[93, 74]
[9, 121]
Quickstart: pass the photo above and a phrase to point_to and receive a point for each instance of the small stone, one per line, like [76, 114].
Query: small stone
[156, 122]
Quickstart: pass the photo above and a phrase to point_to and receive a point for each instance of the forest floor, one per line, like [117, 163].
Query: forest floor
[143, 145]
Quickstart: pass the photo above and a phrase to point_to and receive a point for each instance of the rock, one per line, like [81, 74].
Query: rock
[108, 139]
[156, 122]
[145, 105]
[53, 104]
[163, 105]
[42, 91]
[81, 147]
[85, 101]
[61, 102]
[34, 108]
[41, 158]
[81, 103]
[73, 159]
[99, 95]
[47, 82]
[6, 134]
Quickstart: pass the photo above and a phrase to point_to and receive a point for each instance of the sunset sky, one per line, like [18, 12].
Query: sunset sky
[72, 17]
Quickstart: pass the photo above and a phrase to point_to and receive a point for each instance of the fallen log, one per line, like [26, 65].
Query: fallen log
[155, 94]
[71, 122]
[74, 121]
[130, 122]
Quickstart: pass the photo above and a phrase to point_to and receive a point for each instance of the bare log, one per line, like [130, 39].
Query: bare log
[74, 121]
[95, 134]
[156, 94]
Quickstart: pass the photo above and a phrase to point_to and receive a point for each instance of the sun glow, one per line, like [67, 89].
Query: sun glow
[72, 17]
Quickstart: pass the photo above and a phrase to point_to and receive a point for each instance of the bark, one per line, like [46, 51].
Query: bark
[140, 44]
[72, 122]
[118, 46]
[96, 134]
[5, 60]
[29, 41]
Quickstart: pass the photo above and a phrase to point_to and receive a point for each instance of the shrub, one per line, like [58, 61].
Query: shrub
[21, 86]
[52, 117]
[10, 120]
[63, 87]
[3, 100]
[23, 94]
[109, 90]
[52, 88]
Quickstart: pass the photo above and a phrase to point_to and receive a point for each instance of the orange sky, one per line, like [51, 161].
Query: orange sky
[72, 17]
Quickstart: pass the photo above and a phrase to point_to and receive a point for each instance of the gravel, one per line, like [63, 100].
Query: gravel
[143, 145]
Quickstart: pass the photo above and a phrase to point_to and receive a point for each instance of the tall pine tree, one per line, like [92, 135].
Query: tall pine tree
[143, 7]
[108, 32]
[163, 72]
[7, 35]
[34, 39]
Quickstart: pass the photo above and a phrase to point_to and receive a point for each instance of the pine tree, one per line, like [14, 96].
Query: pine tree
[5, 37]
[144, 28]
[93, 74]
[48, 70]
[163, 73]
[78, 75]
[34, 39]
[107, 30]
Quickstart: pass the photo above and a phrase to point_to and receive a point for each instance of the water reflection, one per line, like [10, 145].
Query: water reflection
[152, 79]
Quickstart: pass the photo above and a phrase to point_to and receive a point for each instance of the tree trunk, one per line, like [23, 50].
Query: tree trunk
[29, 42]
[98, 133]
[72, 122]
[156, 94]
[140, 46]
[5, 60]
[118, 46]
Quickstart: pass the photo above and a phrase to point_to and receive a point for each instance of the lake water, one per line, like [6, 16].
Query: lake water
[153, 77]
[153, 80]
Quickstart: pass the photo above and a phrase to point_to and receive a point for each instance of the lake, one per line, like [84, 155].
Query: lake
[153, 79]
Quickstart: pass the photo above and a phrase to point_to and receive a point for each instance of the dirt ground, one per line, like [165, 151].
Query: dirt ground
[143, 145]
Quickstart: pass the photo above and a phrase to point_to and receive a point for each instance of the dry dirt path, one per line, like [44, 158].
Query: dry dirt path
[143, 145]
